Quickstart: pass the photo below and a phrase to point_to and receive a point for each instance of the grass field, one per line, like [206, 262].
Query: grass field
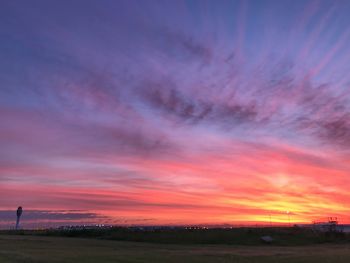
[287, 236]
[17, 248]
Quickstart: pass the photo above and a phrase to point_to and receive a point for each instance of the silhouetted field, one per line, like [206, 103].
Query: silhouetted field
[40, 249]
[236, 236]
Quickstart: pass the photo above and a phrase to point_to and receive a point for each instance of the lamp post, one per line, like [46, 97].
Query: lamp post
[288, 213]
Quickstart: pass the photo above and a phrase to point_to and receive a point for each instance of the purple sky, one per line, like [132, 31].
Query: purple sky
[167, 110]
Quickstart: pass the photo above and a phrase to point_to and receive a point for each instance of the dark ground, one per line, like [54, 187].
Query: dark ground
[177, 245]
[40, 249]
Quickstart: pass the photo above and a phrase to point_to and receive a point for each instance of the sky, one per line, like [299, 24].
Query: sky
[174, 112]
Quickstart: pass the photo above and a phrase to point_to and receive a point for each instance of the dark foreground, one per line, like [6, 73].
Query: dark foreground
[287, 236]
[19, 248]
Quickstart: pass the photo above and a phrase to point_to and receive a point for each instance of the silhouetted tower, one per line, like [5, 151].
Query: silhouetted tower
[19, 213]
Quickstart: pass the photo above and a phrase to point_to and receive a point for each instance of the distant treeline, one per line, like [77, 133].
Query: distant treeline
[284, 236]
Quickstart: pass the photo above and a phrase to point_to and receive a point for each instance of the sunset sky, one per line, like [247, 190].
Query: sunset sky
[174, 112]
